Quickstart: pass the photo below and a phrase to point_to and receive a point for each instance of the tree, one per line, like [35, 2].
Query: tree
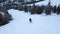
[1, 16]
[33, 9]
[25, 9]
[39, 9]
[48, 8]
[6, 18]
[54, 9]
[58, 9]
[2, 1]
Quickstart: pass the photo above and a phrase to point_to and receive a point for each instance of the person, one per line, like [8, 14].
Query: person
[30, 20]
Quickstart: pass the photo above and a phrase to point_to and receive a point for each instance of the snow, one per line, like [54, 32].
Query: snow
[41, 24]
[53, 2]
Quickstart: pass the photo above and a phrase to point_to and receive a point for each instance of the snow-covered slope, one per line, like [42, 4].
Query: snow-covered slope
[41, 24]
[53, 2]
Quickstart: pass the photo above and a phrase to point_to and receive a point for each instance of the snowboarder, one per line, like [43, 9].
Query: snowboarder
[30, 20]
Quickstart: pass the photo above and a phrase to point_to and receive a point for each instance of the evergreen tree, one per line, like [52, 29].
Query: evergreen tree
[54, 9]
[5, 19]
[48, 8]
[2, 1]
[33, 9]
[58, 9]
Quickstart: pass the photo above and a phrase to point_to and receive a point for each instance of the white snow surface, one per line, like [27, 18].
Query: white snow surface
[53, 2]
[41, 24]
